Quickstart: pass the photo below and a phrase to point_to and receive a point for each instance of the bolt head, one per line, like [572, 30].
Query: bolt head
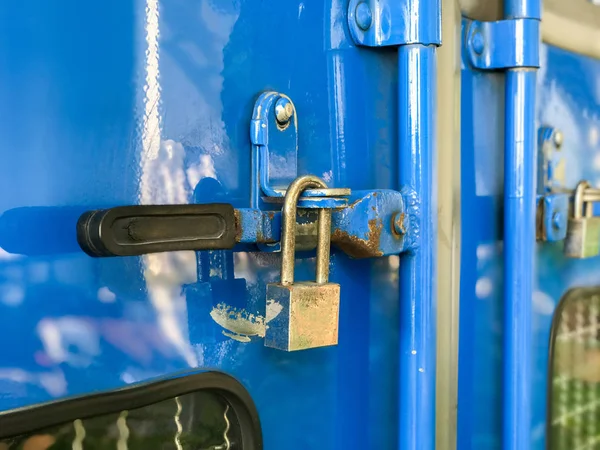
[478, 42]
[558, 138]
[398, 224]
[363, 17]
[284, 110]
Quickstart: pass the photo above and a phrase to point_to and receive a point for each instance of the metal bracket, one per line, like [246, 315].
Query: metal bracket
[383, 23]
[553, 197]
[374, 224]
[549, 160]
[552, 217]
[284, 145]
[274, 136]
[503, 44]
[364, 223]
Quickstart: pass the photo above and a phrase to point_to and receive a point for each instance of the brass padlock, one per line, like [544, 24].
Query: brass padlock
[302, 315]
[583, 233]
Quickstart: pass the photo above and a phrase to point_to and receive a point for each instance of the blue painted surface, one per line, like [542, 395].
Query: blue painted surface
[129, 102]
[276, 166]
[417, 70]
[567, 100]
[555, 216]
[519, 9]
[383, 23]
[480, 351]
[414, 27]
[503, 44]
[520, 147]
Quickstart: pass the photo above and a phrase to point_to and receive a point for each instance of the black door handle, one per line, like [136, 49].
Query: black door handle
[137, 230]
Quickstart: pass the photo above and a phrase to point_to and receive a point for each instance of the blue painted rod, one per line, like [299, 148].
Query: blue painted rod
[519, 240]
[418, 272]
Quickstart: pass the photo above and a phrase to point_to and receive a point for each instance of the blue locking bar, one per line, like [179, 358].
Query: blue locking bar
[415, 27]
[520, 9]
[519, 237]
[418, 272]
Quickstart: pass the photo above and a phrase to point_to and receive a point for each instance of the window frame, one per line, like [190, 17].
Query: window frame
[34, 418]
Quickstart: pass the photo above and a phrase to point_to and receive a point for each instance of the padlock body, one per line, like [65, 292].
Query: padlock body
[583, 237]
[302, 315]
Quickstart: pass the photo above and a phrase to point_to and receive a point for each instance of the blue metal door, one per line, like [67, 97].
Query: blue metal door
[528, 332]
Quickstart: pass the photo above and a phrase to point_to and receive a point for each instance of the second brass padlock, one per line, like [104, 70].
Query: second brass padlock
[302, 315]
[583, 231]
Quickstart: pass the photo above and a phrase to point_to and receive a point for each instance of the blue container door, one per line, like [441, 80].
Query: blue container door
[130, 102]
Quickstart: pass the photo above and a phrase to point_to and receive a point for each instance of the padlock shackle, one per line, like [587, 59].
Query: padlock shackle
[323, 246]
[578, 201]
[288, 230]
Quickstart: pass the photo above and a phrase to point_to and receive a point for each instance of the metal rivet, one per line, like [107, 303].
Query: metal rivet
[284, 110]
[557, 221]
[363, 17]
[477, 42]
[398, 224]
[558, 137]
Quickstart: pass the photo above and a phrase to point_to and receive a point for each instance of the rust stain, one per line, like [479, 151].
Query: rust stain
[238, 227]
[360, 248]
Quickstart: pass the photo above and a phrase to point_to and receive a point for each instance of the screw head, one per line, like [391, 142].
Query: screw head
[478, 42]
[284, 110]
[558, 138]
[363, 16]
[398, 224]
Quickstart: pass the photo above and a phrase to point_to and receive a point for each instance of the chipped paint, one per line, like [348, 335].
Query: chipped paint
[238, 321]
[241, 325]
[237, 337]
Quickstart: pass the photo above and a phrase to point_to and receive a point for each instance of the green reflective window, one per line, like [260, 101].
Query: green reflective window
[574, 404]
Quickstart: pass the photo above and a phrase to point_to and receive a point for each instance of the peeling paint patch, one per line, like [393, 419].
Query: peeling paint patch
[239, 324]
[237, 337]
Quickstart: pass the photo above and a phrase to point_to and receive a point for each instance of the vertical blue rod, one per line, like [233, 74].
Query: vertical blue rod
[418, 272]
[519, 242]
[522, 9]
[519, 239]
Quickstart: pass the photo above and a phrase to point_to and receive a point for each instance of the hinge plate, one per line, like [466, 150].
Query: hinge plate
[503, 44]
[383, 23]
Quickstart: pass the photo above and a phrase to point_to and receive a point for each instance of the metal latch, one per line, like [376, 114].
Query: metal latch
[364, 224]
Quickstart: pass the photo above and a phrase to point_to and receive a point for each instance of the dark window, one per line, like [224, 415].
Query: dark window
[205, 419]
[574, 389]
